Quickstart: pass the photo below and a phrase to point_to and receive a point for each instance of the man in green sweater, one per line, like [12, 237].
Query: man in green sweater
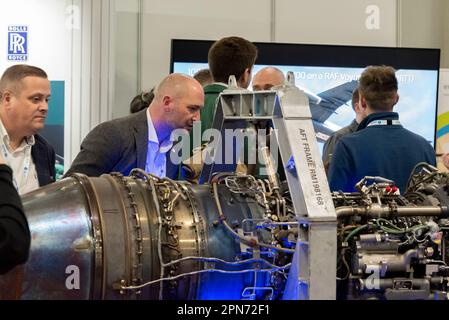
[227, 56]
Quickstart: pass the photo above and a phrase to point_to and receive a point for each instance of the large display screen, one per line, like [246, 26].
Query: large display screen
[329, 74]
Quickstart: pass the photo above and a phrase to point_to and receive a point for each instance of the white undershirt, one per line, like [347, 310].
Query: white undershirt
[21, 162]
[156, 154]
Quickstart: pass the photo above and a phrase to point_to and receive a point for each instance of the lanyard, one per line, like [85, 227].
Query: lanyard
[26, 166]
[384, 123]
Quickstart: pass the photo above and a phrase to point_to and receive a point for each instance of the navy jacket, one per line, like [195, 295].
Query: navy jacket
[43, 156]
[389, 151]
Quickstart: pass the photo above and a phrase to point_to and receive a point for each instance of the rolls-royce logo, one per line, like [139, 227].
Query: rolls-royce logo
[17, 43]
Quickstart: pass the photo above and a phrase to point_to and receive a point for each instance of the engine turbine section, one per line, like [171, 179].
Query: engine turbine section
[141, 237]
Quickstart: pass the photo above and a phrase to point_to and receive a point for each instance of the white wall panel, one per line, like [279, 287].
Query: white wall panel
[126, 38]
[91, 67]
[445, 57]
[425, 24]
[421, 23]
[344, 22]
[196, 19]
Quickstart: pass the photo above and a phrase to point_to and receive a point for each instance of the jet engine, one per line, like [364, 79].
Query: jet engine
[141, 237]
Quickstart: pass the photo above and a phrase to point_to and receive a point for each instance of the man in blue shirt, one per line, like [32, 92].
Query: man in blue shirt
[381, 146]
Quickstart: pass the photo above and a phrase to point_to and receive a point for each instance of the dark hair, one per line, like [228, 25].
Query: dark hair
[12, 76]
[141, 101]
[203, 76]
[231, 56]
[379, 86]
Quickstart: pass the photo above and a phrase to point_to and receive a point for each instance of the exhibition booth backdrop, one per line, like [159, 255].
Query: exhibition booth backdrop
[100, 53]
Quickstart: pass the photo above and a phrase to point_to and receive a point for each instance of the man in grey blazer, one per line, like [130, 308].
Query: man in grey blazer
[142, 140]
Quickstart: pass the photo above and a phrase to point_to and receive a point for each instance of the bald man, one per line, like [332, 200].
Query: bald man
[267, 78]
[143, 139]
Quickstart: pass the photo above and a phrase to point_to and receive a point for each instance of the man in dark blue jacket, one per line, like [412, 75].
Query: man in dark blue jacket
[381, 146]
[24, 95]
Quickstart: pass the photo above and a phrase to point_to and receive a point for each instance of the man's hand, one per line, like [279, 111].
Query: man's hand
[2, 160]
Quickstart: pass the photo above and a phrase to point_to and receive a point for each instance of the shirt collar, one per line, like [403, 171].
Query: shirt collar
[165, 145]
[28, 141]
[378, 116]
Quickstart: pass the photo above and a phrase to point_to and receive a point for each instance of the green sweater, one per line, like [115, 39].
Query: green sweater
[211, 93]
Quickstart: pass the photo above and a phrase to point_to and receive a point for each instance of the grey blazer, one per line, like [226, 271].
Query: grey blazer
[118, 145]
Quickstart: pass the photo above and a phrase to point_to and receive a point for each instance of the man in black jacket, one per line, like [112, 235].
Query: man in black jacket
[24, 95]
[331, 142]
[14, 231]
